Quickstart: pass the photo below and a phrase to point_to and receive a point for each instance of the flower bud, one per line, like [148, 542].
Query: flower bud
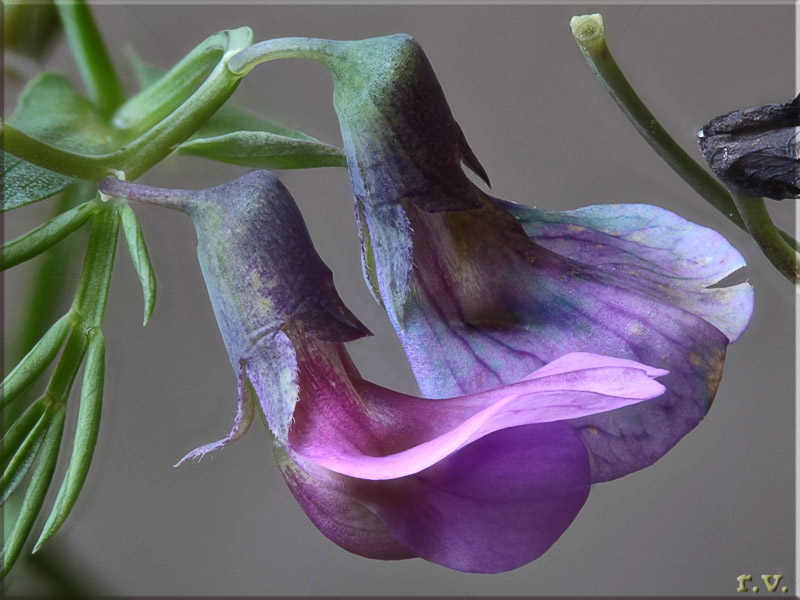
[755, 150]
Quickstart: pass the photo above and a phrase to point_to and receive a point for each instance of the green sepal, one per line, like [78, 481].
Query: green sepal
[85, 439]
[23, 457]
[37, 490]
[264, 150]
[36, 361]
[141, 259]
[46, 235]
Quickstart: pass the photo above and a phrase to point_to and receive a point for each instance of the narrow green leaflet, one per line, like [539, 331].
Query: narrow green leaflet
[264, 150]
[85, 439]
[227, 119]
[91, 55]
[49, 290]
[35, 361]
[46, 235]
[163, 92]
[51, 110]
[141, 259]
[37, 490]
[19, 430]
[22, 459]
[230, 119]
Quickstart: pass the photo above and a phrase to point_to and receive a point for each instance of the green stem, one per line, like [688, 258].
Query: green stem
[290, 47]
[157, 101]
[151, 147]
[91, 55]
[47, 156]
[90, 300]
[761, 228]
[589, 32]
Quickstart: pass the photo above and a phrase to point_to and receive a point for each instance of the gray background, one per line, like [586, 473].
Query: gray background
[720, 504]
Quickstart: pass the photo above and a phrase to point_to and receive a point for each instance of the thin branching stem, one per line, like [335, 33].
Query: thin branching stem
[588, 31]
[761, 228]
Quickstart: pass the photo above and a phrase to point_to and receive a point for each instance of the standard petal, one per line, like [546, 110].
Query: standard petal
[488, 306]
[654, 250]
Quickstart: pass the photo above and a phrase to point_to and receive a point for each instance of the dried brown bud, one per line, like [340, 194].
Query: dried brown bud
[755, 150]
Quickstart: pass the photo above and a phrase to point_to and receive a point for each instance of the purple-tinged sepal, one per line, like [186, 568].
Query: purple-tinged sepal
[263, 277]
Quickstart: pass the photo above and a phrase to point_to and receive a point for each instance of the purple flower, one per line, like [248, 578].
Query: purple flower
[484, 482]
[482, 292]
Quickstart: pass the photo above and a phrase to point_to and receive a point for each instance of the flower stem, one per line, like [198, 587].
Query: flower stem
[756, 217]
[290, 47]
[589, 33]
[91, 55]
[53, 158]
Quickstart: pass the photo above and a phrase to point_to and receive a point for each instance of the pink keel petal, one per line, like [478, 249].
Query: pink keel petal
[435, 429]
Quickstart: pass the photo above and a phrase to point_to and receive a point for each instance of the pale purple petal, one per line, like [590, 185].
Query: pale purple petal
[487, 306]
[655, 250]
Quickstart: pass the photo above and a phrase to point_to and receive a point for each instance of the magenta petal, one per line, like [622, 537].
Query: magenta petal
[493, 506]
[341, 517]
